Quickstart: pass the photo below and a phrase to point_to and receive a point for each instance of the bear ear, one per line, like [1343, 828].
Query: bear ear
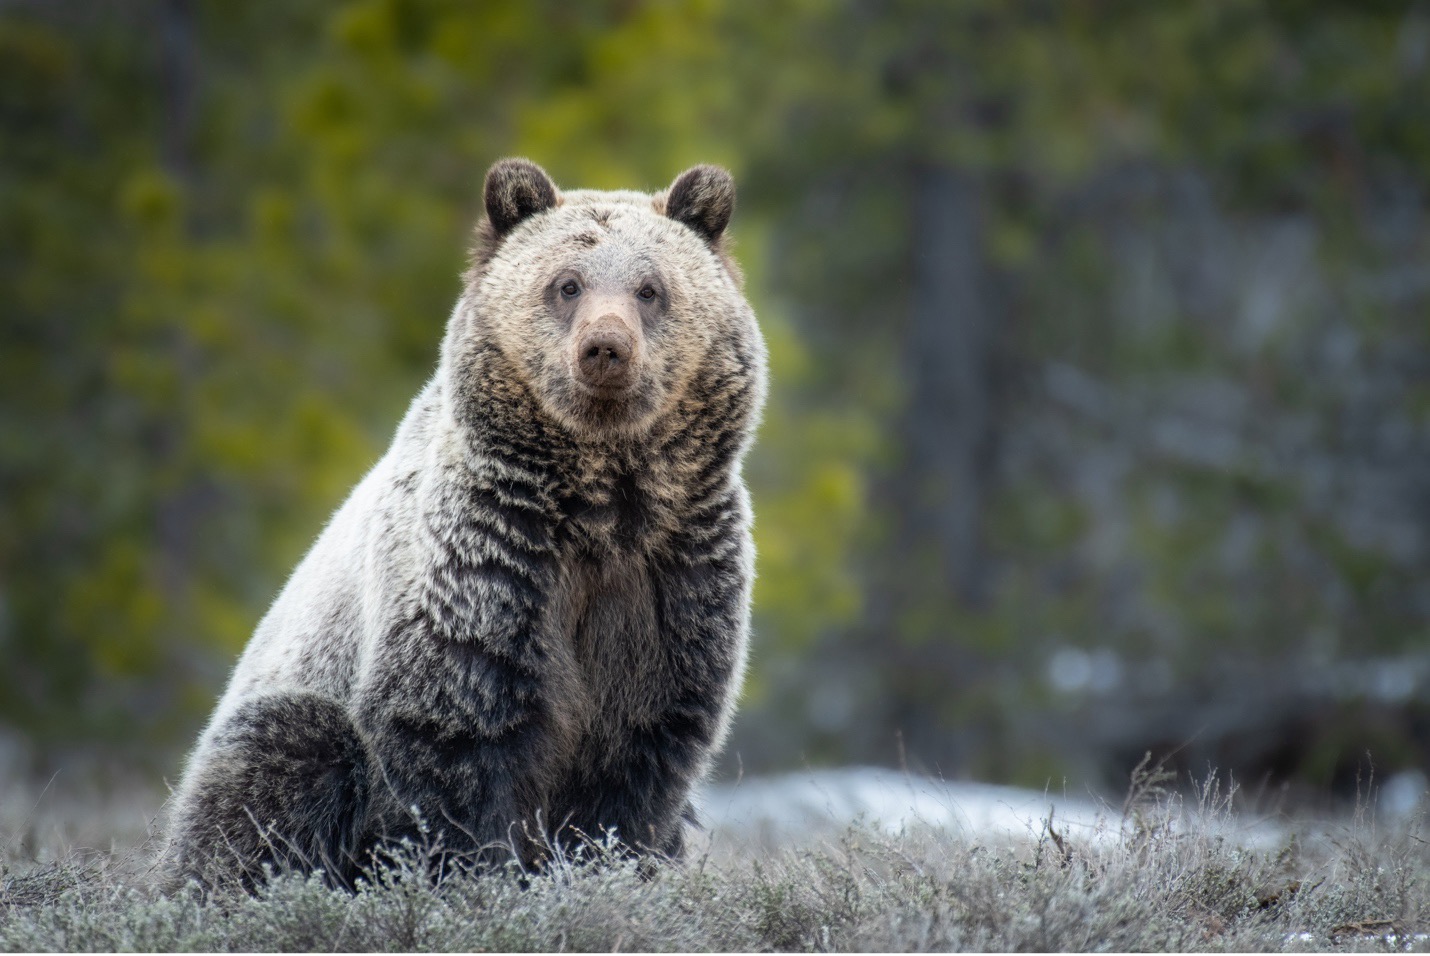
[515, 190]
[702, 197]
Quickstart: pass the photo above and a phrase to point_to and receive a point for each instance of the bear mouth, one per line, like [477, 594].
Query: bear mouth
[609, 408]
[608, 394]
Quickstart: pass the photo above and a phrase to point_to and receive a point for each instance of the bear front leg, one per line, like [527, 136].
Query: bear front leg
[641, 786]
[457, 703]
[460, 737]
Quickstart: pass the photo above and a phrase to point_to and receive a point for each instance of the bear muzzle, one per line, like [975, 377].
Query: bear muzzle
[606, 356]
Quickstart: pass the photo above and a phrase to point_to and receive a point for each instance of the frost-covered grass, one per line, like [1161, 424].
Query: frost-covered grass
[1155, 879]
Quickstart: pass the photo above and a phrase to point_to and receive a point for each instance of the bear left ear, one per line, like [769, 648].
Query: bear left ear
[515, 190]
[702, 197]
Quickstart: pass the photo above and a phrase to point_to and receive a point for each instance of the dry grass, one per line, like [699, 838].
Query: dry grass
[1158, 879]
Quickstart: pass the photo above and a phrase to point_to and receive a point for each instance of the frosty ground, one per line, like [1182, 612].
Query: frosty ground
[854, 859]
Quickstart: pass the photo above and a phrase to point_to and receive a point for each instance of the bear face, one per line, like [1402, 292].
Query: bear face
[604, 305]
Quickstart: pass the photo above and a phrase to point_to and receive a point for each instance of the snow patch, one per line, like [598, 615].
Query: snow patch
[797, 804]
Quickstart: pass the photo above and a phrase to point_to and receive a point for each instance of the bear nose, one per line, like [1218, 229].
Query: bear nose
[604, 359]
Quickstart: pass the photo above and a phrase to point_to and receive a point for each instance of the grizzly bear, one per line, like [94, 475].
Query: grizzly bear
[527, 624]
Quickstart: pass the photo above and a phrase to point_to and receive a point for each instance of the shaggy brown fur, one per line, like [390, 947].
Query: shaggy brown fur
[532, 615]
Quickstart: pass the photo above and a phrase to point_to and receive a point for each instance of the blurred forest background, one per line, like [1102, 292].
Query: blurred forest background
[1100, 339]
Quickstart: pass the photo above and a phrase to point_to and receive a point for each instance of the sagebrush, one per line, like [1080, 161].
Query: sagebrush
[1153, 878]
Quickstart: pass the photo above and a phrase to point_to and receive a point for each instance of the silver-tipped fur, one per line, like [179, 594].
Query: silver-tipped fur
[531, 616]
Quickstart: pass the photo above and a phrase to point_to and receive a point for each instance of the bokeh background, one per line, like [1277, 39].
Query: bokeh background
[1100, 340]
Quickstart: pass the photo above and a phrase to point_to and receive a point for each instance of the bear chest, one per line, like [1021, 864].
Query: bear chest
[609, 634]
[617, 515]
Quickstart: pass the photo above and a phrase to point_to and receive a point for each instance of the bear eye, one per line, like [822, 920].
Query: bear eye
[646, 292]
[570, 289]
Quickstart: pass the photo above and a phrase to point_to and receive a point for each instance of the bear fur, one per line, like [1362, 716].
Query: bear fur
[528, 622]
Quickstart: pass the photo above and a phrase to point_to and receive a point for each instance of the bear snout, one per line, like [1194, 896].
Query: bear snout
[605, 357]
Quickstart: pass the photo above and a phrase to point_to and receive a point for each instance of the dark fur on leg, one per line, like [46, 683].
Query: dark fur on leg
[286, 786]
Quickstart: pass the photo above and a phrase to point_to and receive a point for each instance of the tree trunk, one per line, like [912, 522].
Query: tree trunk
[945, 430]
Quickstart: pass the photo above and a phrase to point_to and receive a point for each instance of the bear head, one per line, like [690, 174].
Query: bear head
[605, 308]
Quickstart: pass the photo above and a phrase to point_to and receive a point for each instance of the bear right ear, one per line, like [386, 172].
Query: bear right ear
[702, 197]
[515, 190]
